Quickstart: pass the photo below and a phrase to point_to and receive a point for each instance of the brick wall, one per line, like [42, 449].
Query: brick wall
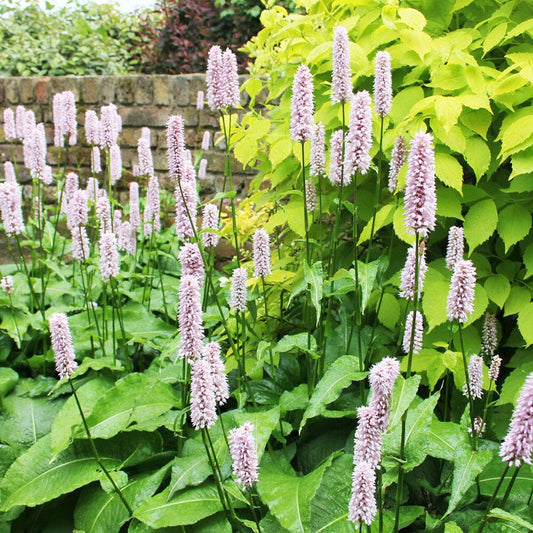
[141, 101]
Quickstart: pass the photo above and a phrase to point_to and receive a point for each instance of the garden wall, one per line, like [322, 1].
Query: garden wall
[141, 101]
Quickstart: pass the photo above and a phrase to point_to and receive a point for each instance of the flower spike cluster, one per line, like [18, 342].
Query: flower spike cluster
[222, 79]
[62, 345]
[462, 291]
[261, 254]
[359, 138]
[243, 455]
[341, 89]
[302, 105]
[382, 84]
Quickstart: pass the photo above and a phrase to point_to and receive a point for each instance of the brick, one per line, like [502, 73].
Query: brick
[196, 83]
[162, 90]
[181, 92]
[42, 94]
[125, 90]
[210, 118]
[26, 90]
[144, 89]
[144, 116]
[129, 137]
[107, 90]
[12, 90]
[65, 83]
[189, 115]
[2, 91]
[89, 89]
[160, 160]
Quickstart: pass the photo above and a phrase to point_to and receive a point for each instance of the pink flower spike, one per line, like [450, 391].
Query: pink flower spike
[135, 215]
[238, 290]
[20, 121]
[108, 256]
[200, 100]
[68, 116]
[489, 339]
[398, 158]
[203, 402]
[186, 206]
[475, 377]
[62, 345]
[206, 140]
[47, 175]
[11, 208]
[218, 372]
[310, 195]
[96, 164]
[222, 79]
[418, 333]
[517, 446]
[231, 78]
[127, 241]
[10, 131]
[462, 291]
[407, 284]
[318, 153]
[203, 169]
[190, 318]
[144, 153]
[494, 370]
[456, 247]
[382, 84]
[37, 152]
[302, 106]
[80, 243]
[146, 135]
[7, 284]
[152, 208]
[368, 438]
[77, 210]
[362, 506]
[420, 195]
[59, 120]
[210, 222]
[9, 172]
[176, 147]
[341, 90]
[92, 127]
[191, 262]
[245, 465]
[109, 126]
[261, 254]
[336, 163]
[359, 137]
[383, 375]
[115, 163]
[103, 213]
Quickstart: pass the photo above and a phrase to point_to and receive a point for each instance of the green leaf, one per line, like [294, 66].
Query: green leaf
[447, 439]
[517, 129]
[329, 507]
[431, 362]
[186, 507]
[122, 406]
[449, 171]
[448, 109]
[514, 224]
[449, 203]
[8, 379]
[525, 323]
[338, 376]
[188, 470]
[390, 310]
[383, 218]
[69, 419]
[399, 226]
[510, 517]
[403, 394]
[513, 384]
[35, 478]
[98, 511]
[477, 155]
[498, 289]
[436, 289]
[528, 260]
[315, 279]
[517, 300]
[289, 496]
[295, 399]
[467, 466]
[522, 163]
[294, 215]
[368, 273]
[418, 427]
[480, 223]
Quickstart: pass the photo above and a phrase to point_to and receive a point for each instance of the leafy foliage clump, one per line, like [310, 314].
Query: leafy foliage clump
[79, 38]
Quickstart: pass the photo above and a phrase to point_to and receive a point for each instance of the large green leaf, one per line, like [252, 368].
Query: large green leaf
[35, 477]
[289, 496]
[525, 323]
[189, 470]
[403, 394]
[135, 399]
[186, 507]
[342, 372]
[100, 512]
[314, 276]
[467, 466]
[447, 439]
[68, 419]
[480, 222]
[514, 223]
[418, 427]
[24, 420]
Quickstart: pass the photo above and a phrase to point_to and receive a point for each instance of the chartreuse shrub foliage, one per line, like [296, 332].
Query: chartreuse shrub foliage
[297, 360]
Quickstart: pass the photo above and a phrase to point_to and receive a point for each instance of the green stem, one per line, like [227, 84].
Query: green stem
[510, 486]
[468, 391]
[493, 498]
[95, 451]
[306, 214]
[268, 330]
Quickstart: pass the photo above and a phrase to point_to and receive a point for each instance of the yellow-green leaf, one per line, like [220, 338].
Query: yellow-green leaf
[448, 109]
[480, 222]
[514, 224]
[448, 170]
[477, 155]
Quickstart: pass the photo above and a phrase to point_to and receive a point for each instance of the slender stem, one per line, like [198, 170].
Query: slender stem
[379, 493]
[95, 451]
[493, 498]
[252, 508]
[468, 391]
[378, 191]
[306, 214]
[510, 486]
[268, 330]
